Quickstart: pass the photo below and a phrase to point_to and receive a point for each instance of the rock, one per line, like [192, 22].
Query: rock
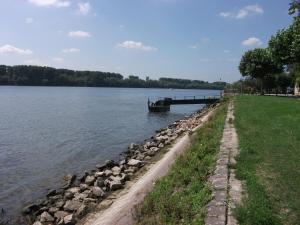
[99, 174]
[81, 196]
[37, 223]
[69, 180]
[122, 162]
[69, 219]
[74, 190]
[109, 163]
[147, 158]
[115, 185]
[89, 180]
[99, 182]
[29, 209]
[89, 200]
[116, 170]
[53, 210]
[51, 193]
[161, 145]
[154, 149]
[69, 195]
[134, 162]
[46, 217]
[83, 187]
[60, 203]
[140, 156]
[60, 214]
[97, 192]
[82, 211]
[82, 178]
[124, 177]
[107, 173]
[72, 205]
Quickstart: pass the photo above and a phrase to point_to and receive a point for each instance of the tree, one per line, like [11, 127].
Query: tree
[294, 7]
[258, 64]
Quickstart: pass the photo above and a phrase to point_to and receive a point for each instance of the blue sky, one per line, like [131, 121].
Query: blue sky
[193, 39]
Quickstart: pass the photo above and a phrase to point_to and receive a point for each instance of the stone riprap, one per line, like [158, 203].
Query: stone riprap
[80, 195]
[226, 189]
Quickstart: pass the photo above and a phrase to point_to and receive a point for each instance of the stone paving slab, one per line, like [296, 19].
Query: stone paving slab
[226, 189]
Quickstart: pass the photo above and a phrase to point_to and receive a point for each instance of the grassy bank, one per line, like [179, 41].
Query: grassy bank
[180, 197]
[269, 161]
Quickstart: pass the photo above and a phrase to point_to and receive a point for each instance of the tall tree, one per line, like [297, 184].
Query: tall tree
[258, 64]
[294, 7]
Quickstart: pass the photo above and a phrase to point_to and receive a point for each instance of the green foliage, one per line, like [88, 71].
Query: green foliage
[47, 76]
[268, 131]
[181, 196]
[294, 7]
[285, 45]
[258, 63]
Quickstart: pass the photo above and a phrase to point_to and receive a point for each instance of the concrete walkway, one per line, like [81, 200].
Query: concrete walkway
[226, 189]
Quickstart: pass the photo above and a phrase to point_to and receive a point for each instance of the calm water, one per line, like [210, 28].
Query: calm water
[47, 132]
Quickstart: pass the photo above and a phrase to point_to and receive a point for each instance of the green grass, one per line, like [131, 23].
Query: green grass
[269, 161]
[180, 197]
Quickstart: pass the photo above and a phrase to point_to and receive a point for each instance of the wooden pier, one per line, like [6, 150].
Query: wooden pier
[164, 104]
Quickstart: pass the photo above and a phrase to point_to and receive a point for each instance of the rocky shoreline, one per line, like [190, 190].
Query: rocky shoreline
[79, 195]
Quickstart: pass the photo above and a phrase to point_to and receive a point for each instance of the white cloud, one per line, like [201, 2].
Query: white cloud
[136, 45]
[79, 34]
[70, 50]
[29, 20]
[45, 3]
[84, 8]
[244, 12]
[58, 59]
[14, 50]
[252, 41]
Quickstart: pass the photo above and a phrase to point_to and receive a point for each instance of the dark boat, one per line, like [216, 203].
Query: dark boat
[159, 106]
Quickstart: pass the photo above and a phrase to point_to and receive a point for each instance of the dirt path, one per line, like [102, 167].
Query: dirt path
[226, 189]
[121, 212]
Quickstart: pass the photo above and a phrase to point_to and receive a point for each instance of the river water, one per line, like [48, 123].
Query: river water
[47, 132]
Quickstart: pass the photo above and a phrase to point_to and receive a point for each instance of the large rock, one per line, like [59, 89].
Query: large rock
[46, 217]
[99, 182]
[134, 162]
[74, 190]
[82, 211]
[109, 163]
[60, 214]
[107, 173]
[69, 219]
[72, 205]
[69, 180]
[115, 185]
[89, 180]
[116, 170]
[97, 192]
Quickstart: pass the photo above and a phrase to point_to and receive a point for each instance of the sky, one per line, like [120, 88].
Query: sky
[190, 39]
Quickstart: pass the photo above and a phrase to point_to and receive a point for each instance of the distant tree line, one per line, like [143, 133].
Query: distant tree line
[277, 67]
[48, 76]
